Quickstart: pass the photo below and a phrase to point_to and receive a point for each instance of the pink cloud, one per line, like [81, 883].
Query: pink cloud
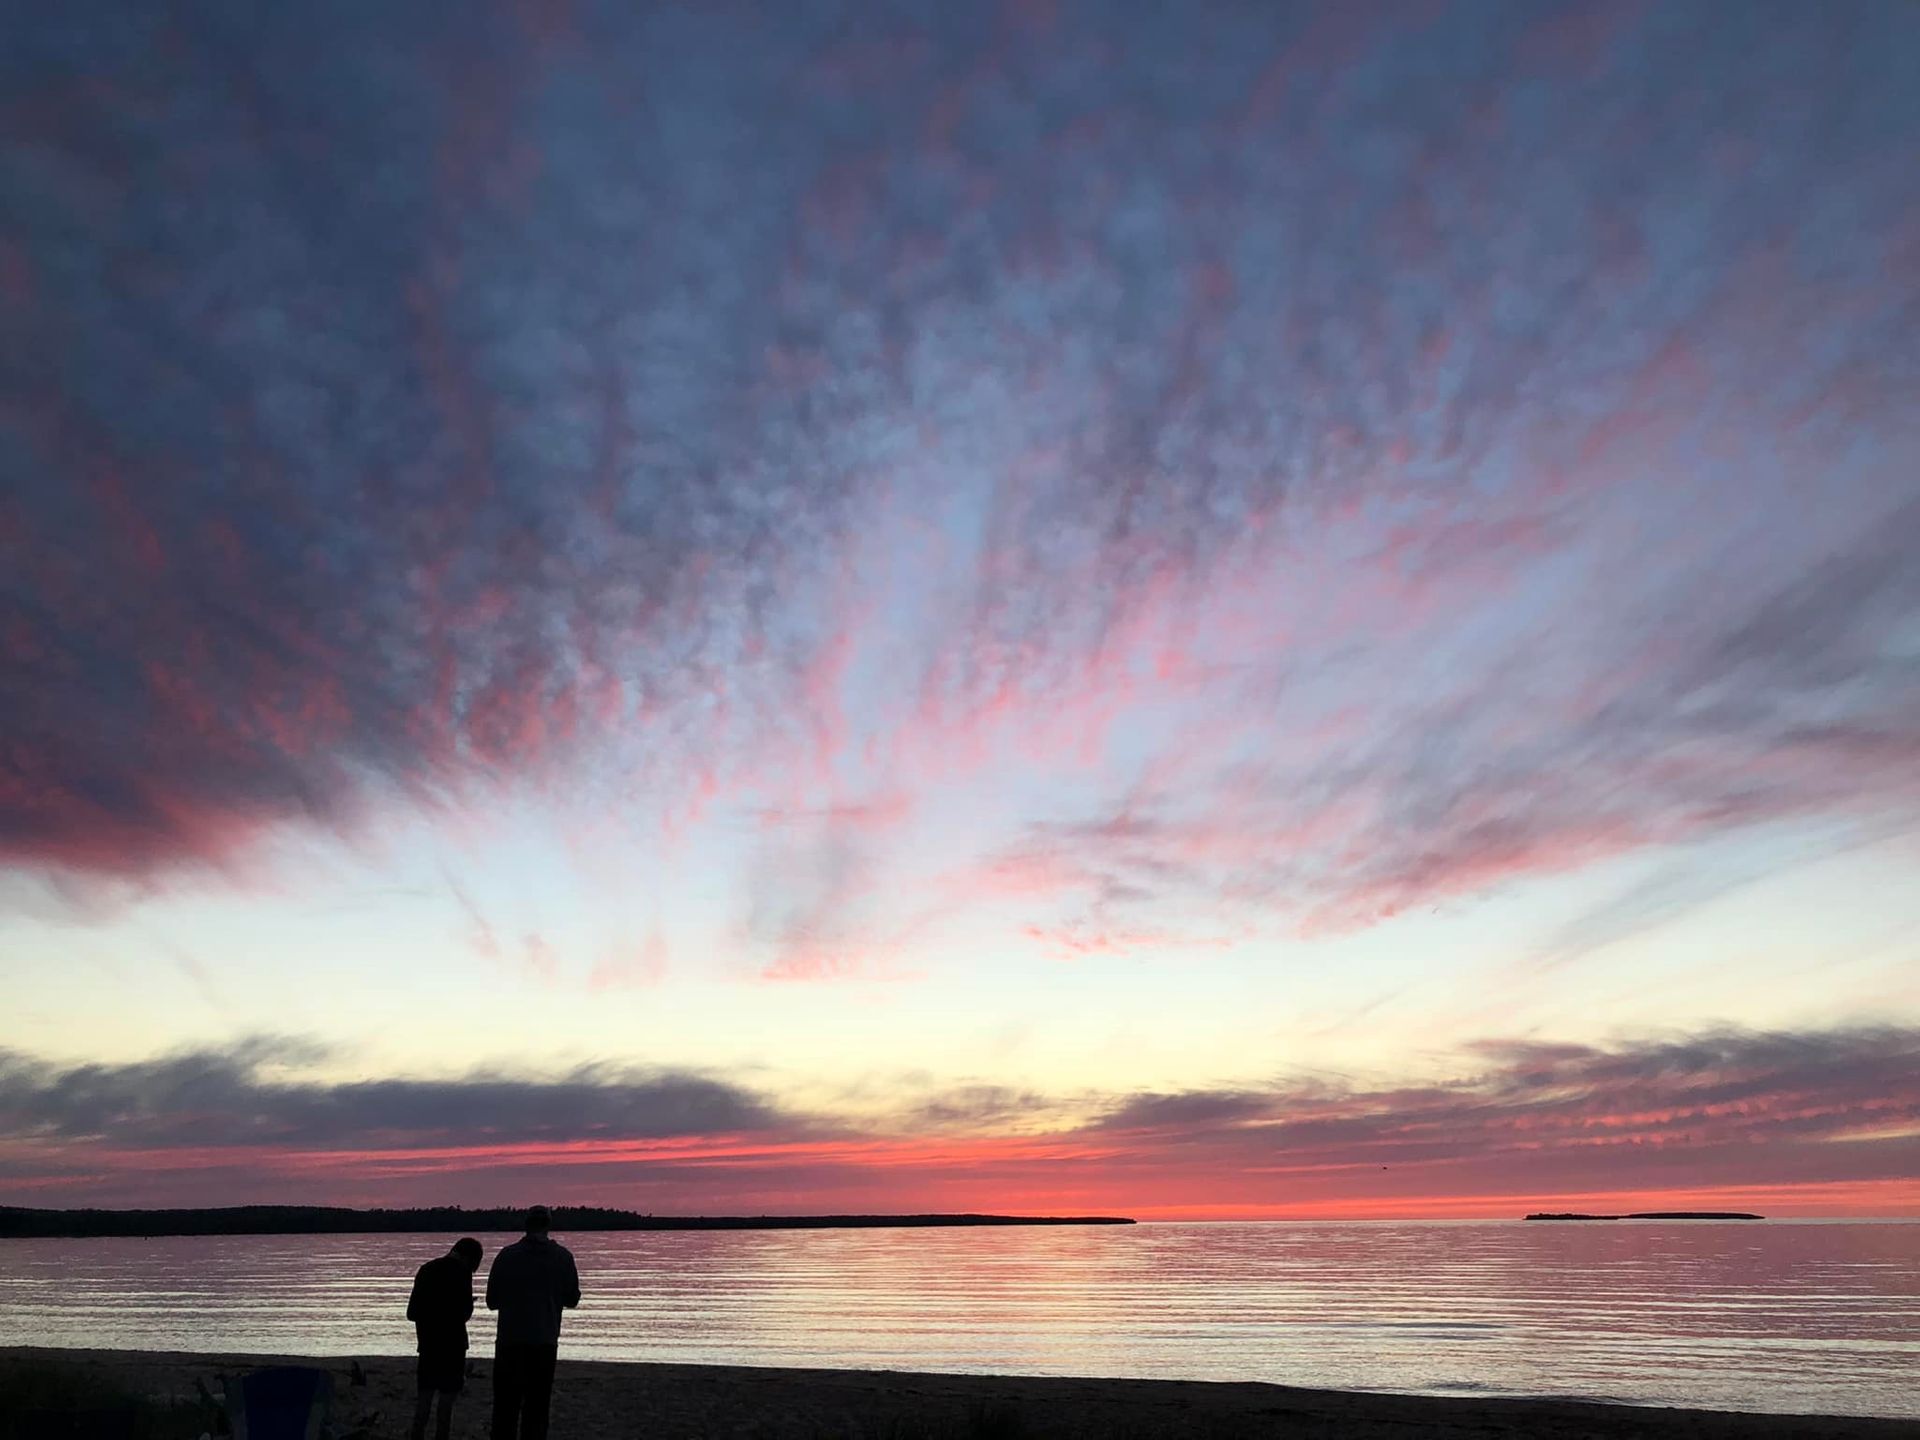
[973, 454]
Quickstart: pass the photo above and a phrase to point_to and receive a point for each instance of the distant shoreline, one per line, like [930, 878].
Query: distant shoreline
[18, 1223]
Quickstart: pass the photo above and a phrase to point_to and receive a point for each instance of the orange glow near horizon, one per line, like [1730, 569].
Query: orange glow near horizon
[1864, 1200]
[745, 1175]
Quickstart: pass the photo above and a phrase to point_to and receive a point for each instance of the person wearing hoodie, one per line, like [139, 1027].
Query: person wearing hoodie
[442, 1300]
[532, 1281]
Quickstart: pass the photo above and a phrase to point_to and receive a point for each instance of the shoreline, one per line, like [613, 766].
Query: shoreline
[26, 1223]
[622, 1400]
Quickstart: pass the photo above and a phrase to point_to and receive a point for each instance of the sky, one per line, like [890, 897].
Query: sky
[1203, 611]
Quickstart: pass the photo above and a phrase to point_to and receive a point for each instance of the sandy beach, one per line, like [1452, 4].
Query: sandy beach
[607, 1401]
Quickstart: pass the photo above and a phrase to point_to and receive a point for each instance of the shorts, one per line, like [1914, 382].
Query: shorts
[442, 1370]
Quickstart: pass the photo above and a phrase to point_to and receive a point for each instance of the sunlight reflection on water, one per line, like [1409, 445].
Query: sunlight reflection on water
[1785, 1316]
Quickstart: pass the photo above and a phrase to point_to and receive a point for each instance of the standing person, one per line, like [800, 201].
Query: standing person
[531, 1282]
[442, 1300]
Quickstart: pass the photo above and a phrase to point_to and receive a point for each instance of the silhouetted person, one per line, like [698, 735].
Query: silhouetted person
[531, 1282]
[442, 1300]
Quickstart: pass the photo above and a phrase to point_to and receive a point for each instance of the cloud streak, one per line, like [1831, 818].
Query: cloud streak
[1354, 464]
[1835, 1113]
[234, 1097]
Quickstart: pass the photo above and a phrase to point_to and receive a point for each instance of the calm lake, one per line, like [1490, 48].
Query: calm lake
[1819, 1316]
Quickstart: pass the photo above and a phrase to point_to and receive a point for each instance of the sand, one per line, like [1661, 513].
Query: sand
[608, 1401]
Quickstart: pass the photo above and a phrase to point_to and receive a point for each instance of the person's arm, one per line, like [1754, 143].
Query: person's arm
[572, 1297]
[466, 1310]
[493, 1284]
[414, 1300]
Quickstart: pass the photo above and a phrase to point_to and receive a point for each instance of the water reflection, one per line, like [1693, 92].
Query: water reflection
[1782, 1316]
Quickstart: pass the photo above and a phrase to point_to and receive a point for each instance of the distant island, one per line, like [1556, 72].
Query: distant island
[1658, 1215]
[17, 1223]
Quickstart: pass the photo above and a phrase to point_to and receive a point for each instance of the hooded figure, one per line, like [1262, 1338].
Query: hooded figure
[442, 1300]
[531, 1282]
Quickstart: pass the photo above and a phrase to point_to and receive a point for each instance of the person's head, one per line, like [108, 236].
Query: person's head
[539, 1221]
[468, 1250]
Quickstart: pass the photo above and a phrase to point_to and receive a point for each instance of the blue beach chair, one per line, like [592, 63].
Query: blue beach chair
[282, 1402]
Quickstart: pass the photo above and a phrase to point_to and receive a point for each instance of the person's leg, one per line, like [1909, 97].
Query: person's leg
[540, 1363]
[508, 1384]
[443, 1428]
[422, 1404]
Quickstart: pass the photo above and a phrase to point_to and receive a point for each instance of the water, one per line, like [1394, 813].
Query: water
[1817, 1316]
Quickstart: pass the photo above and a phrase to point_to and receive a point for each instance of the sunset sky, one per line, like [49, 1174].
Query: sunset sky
[1173, 610]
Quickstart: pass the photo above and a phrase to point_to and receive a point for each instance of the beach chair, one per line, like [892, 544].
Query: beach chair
[282, 1402]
